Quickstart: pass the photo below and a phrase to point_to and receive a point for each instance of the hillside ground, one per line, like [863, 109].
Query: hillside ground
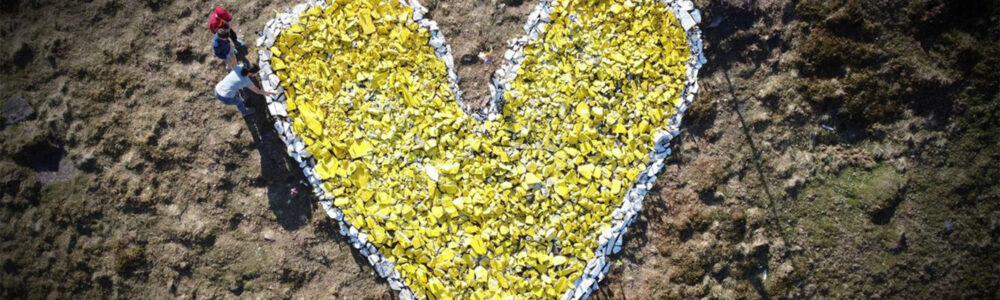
[839, 149]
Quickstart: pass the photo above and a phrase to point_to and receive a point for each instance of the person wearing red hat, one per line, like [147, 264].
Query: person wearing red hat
[219, 15]
[220, 25]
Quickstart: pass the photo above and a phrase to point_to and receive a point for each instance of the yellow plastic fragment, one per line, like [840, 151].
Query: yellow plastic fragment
[478, 246]
[531, 179]
[360, 149]
[437, 212]
[366, 22]
[562, 190]
[586, 170]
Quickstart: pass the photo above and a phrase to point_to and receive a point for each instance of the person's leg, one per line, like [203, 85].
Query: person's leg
[238, 102]
[223, 99]
[241, 105]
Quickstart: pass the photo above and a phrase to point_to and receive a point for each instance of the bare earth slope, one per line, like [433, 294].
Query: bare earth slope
[841, 149]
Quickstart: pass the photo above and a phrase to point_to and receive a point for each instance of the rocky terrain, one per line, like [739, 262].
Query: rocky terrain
[840, 149]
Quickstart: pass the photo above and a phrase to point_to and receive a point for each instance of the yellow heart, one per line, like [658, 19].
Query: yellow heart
[527, 203]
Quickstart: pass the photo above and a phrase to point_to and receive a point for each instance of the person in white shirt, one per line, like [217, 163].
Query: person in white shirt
[228, 89]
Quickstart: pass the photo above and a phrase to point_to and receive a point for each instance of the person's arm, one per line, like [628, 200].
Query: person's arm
[233, 37]
[230, 62]
[262, 93]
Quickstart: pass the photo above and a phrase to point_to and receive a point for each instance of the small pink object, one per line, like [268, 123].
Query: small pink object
[294, 192]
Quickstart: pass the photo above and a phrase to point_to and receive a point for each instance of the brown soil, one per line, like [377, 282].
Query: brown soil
[479, 26]
[847, 149]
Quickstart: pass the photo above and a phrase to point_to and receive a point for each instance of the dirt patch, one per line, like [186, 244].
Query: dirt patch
[479, 27]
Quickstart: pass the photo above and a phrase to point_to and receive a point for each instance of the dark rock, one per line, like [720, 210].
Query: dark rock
[513, 3]
[236, 287]
[87, 162]
[469, 59]
[15, 110]
[23, 56]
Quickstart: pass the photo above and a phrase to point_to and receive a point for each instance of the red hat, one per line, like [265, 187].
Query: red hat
[218, 18]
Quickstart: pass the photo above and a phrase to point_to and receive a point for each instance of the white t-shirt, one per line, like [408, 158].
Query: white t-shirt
[232, 83]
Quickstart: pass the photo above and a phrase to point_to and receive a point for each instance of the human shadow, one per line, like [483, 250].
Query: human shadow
[281, 174]
[328, 227]
[288, 195]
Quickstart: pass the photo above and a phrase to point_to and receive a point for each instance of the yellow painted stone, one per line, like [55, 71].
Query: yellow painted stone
[504, 209]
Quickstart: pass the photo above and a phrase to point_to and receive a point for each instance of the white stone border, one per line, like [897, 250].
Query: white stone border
[610, 241]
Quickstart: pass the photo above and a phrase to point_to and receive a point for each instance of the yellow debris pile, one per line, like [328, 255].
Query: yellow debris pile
[510, 208]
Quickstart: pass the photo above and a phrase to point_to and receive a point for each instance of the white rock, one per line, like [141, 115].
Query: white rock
[580, 291]
[363, 237]
[396, 284]
[618, 243]
[335, 213]
[298, 9]
[449, 61]
[384, 268]
[436, 42]
[405, 295]
[270, 107]
[530, 24]
[686, 20]
[685, 5]
[587, 284]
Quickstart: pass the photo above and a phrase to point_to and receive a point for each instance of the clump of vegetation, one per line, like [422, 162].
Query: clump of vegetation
[871, 61]
[18, 186]
[128, 257]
